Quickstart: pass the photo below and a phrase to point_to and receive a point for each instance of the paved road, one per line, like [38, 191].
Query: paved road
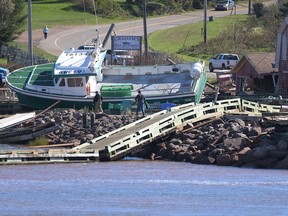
[60, 39]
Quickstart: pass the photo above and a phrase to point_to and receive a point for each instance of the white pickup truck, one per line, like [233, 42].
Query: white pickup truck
[223, 61]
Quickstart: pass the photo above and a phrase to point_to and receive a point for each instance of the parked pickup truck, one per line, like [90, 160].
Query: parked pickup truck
[223, 61]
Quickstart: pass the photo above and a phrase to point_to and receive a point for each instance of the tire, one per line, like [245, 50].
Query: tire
[211, 69]
[223, 67]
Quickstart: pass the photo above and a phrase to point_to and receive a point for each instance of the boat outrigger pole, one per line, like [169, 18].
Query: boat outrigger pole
[108, 35]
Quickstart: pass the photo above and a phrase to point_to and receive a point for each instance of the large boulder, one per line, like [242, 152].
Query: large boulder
[282, 144]
[266, 163]
[233, 144]
[224, 160]
[283, 164]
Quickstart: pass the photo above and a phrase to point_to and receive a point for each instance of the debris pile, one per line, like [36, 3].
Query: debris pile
[61, 126]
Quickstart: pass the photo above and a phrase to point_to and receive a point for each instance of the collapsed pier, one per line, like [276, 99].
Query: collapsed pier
[133, 137]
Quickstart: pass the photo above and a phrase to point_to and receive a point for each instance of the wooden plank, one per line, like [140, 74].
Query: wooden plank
[15, 120]
[31, 136]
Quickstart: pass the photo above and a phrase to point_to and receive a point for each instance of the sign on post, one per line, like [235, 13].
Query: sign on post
[126, 42]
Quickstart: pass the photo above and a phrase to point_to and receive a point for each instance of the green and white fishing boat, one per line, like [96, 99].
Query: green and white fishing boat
[71, 82]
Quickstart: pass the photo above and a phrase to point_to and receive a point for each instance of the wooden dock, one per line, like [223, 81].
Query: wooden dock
[36, 156]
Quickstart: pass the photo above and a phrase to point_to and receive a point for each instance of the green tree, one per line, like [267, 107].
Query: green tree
[283, 10]
[11, 20]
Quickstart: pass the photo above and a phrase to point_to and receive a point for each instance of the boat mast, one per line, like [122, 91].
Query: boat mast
[30, 48]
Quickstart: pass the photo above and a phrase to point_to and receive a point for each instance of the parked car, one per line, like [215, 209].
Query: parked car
[224, 5]
[119, 57]
[223, 61]
[3, 74]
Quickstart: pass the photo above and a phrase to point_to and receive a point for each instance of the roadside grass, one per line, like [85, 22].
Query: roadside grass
[63, 13]
[174, 39]
[3, 62]
[36, 51]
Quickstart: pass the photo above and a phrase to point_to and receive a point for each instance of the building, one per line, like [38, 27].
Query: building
[281, 60]
[256, 74]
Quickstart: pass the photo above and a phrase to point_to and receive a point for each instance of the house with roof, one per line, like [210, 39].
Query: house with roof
[256, 74]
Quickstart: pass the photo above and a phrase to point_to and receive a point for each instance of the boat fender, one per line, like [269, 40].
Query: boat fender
[88, 88]
[197, 69]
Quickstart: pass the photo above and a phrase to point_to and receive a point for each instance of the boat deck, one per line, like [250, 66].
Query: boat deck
[38, 75]
[159, 84]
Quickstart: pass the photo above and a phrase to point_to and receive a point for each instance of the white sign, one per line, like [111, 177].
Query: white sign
[126, 42]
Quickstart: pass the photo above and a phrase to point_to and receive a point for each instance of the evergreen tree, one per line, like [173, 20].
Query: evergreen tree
[283, 10]
[11, 20]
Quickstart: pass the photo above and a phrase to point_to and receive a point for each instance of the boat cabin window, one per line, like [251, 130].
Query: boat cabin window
[62, 82]
[75, 82]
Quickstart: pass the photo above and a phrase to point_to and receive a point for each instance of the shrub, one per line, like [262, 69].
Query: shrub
[197, 4]
[39, 141]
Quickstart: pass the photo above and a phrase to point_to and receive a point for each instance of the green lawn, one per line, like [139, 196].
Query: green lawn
[173, 39]
[61, 13]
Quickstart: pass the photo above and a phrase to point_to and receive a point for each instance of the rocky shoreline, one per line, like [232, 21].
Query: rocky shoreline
[226, 143]
[233, 142]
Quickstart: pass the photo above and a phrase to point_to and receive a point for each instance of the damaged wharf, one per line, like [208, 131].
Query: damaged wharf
[203, 134]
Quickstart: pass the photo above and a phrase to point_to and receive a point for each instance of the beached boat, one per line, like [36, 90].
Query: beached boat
[77, 74]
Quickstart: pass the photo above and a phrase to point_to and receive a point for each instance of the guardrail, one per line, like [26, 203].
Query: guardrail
[255, 107]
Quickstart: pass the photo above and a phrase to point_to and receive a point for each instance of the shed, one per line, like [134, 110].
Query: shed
[281, 60]
[256, 73]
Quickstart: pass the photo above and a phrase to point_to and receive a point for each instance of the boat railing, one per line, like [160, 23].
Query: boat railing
[146, 70]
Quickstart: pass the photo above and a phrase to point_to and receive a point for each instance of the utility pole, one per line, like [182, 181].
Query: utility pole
[30, 45]
[205, 21]
[145, 28]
